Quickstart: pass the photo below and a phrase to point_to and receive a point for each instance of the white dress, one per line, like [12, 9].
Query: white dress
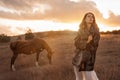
[85, 75]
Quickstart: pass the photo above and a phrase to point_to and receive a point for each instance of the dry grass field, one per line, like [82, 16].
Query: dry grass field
[107, 64]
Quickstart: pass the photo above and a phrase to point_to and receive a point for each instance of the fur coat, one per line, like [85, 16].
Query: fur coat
[88, 50]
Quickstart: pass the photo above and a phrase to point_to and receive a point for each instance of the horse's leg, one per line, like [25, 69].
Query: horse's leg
[37, 59]
[49, 57]
[13, 61]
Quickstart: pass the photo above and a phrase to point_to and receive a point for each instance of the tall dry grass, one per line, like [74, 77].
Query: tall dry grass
[107, 64]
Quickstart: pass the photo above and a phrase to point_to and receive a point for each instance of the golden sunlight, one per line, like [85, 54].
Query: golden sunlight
[20, 27]
[105, 9]
[106, 28]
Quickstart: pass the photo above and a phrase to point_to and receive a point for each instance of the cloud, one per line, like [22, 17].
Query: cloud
[59, 10]
[16, 4]
[113, 20]
[9, 15]
[4, 29]
[63, 10]
[11, 30]
[68, 11]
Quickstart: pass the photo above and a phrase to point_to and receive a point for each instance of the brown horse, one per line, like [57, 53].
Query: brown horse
[28, 47]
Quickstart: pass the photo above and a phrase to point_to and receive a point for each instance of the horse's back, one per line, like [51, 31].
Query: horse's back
[38, 41]
[25, 46]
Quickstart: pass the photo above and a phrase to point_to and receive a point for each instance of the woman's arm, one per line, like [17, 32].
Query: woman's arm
[89, 38]
[93, 43]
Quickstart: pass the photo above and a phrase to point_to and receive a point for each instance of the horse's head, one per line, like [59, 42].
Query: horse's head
[47, 48]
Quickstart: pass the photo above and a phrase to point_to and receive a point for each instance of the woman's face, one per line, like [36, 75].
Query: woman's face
[89, 18]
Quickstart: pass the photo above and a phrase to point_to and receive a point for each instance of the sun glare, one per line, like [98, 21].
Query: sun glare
[105, 9]
[20, 27]
[106, 28]
[75, 0]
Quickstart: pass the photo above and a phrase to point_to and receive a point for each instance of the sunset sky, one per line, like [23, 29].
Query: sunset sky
[17, 16]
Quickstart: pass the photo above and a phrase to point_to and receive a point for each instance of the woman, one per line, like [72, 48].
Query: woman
[86, 43]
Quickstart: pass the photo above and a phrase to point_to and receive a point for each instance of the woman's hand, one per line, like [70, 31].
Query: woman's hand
[89, 38]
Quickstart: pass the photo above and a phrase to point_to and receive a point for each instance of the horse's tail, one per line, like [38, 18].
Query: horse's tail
[13, 46]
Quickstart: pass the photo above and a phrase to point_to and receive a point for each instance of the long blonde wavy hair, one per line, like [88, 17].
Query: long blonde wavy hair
[83, 24]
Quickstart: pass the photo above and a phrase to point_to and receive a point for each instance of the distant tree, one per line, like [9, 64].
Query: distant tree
[4, 38]
[111, 32]
[29, 35]
[115, 32]
[19, 38]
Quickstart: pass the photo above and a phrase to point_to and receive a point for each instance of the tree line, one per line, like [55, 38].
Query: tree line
[5, 38]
